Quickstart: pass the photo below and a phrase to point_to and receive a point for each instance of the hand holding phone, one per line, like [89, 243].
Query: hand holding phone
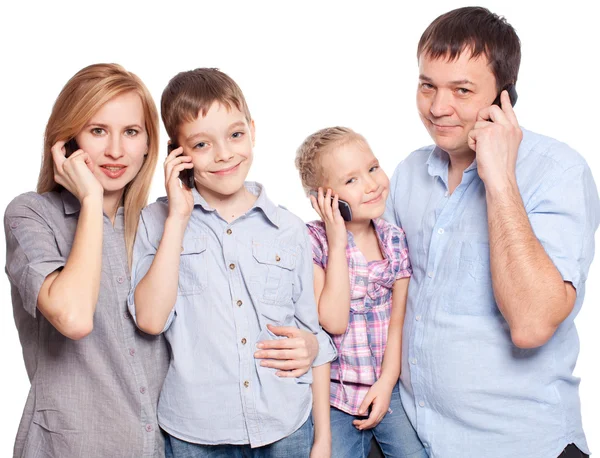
[70, 147]
[512, 94]
[344, 207]
[186, 176]
[335, 225]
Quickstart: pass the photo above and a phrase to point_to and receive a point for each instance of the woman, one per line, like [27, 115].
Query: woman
[94, 379]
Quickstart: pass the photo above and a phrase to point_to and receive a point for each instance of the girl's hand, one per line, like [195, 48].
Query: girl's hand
[76, 173]
[378, 397]
[321, 449]
[329, 212]
[181, 200]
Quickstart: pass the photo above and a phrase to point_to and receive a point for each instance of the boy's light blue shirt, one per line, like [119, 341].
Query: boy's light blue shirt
[467, 389]
[234, 279]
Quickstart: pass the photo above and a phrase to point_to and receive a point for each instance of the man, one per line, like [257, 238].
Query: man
[500, 224]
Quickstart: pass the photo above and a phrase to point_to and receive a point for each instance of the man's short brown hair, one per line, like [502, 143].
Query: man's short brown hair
[480, 31]
[193, 92]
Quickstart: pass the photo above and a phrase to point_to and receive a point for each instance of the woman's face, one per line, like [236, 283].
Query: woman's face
[116, 140]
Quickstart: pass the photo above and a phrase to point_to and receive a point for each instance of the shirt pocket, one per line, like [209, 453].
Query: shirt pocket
[471, 291]
[273, 277]
[193, 275]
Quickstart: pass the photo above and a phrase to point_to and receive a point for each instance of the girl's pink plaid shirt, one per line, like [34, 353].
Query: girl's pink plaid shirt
[362, 346]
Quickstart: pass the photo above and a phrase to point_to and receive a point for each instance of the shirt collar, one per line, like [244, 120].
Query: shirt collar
[262, 203]
[70, 203]
[438, 161]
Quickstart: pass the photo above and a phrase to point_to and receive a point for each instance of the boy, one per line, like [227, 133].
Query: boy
[217, 400]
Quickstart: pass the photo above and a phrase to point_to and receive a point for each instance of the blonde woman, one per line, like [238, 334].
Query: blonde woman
[94, 379]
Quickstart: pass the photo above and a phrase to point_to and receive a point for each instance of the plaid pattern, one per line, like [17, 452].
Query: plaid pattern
[362, 346]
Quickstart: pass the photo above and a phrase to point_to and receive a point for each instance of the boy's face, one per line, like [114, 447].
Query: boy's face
[353, 172]
[220, 145]
[449, 96]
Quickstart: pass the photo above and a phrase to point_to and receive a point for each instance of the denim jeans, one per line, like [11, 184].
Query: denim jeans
[395, 435]
[296, 445]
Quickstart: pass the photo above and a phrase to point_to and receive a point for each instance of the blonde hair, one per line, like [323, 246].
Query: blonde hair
[309, 154]
[192, 92]
[83, 95]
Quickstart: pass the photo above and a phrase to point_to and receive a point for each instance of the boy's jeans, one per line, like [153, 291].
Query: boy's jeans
[296, 445]
[395, 434]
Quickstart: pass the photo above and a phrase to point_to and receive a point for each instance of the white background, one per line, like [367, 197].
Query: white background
[302, 66]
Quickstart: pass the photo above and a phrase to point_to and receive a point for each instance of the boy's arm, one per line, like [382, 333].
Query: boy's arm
[321, 412]
[381, 391]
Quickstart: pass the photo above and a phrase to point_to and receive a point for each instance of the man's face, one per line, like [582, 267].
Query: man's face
[449, 96]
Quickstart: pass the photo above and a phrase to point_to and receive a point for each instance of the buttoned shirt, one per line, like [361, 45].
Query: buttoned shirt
[467, 389]
[361, 348]
[234, 279]
[94, 397]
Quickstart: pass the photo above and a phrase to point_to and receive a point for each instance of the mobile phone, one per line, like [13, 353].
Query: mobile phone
[187, 175]
[70, 147]
[512, 94]
[344, 206]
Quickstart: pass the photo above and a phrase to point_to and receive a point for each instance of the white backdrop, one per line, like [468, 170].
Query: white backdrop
[302, 66]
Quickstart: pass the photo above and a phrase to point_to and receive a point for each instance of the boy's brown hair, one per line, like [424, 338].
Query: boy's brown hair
[308, 155]
[193, 92]
[480, 31]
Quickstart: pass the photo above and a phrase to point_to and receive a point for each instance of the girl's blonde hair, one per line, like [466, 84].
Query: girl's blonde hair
[83, 95]
[308, 155]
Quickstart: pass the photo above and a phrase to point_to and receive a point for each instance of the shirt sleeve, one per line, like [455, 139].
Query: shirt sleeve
[318, 243]
[402, 266]
[31, 249]
[564, 216]
[144, 250]
[306, 313]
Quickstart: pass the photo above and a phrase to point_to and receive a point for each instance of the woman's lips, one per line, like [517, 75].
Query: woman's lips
[113, 170]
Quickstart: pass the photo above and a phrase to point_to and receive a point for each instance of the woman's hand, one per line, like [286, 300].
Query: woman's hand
[329, 212]
[76, 173]
[181, 200]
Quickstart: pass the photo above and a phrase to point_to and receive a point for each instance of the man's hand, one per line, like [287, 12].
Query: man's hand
[495, 139]
[292, 356]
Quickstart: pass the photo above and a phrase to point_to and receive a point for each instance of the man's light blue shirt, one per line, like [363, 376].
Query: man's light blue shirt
[467, 389]
[234, 279]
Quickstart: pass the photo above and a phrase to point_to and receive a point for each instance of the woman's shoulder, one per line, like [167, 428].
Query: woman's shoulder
[41, 204]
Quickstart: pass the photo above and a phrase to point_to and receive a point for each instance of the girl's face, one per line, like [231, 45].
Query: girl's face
[116, 140]
[352, 171]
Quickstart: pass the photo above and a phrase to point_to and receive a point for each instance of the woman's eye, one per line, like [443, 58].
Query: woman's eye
[131, 132]
[237, 134]
[97, 131]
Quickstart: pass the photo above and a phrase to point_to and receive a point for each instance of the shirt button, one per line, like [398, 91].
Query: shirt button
[447, 194]
[246, 383]
[239, 303]
[422, 404]
[14, 224]
[430, 274]
[244, 341]
[418, 318]
[440, 230]
[425, 444]
[120, 279]
[126, 315]
[413, 361]
[229, 231]
[277, 258]
[132, 351]
[143, 390]
[232, 266]
[149, 428]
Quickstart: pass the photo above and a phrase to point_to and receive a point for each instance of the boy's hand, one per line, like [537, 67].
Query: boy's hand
[181, 201]
[292, 356]
[329, 212]
[321, 449]
[378, 397]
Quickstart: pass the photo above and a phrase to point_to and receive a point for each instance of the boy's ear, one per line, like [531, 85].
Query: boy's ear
[252, 132]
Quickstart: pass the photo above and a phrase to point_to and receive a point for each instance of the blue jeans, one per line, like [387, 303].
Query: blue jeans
[395, 435]
[296, 445]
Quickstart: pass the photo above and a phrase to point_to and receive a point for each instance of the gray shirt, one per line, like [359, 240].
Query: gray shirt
[234, 279]
[95, 397]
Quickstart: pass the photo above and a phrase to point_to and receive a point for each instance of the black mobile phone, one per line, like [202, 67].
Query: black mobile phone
[344, 206]
[187, 175]
[512, 94]
[70, 147]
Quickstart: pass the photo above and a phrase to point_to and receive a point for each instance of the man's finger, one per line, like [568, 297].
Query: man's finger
[284, 331]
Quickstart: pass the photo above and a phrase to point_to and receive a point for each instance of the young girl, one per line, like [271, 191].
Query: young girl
[361, 272]
[94, 378]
